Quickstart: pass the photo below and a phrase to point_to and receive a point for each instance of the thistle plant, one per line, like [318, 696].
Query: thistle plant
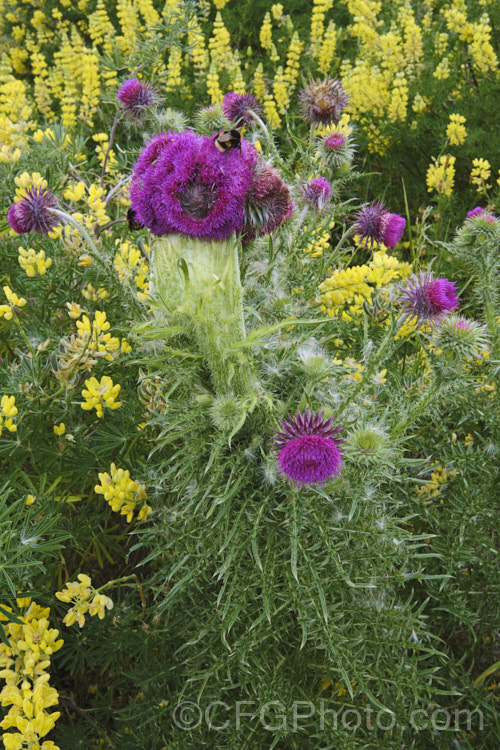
[477, 249]
[253, 391]
[195, 198]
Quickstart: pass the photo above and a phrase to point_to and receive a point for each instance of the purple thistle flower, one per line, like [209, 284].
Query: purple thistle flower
[316, 192]
[428, 299]
[308, 450]
[135, 95]
[240, 108]
[478, 211]
[334, 141]
[322, 102]
[393, 228]
[33, 212]
[183, 184]
[268, 202]
[375, 224]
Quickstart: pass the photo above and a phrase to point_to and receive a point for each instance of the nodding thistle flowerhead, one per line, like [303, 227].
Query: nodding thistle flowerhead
[458, 339]
[33, 212]
[316, 192]
[268, 202]
[334, 141]
[183, 184]
[375, 224]
[307, 449]
[135, 96]
[367, 444]
[336, 149]
[228, 413]
[241, 108]
[428, 299]
[482, 212]
[322, 102]
[211, 119]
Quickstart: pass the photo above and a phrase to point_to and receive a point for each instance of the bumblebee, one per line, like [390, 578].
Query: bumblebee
[228, 139]
[132, 222]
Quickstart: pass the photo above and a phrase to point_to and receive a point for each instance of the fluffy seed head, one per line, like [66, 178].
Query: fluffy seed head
[32, 213]
[240, 108]
[308, 449]
[316, 192]
[428, 299]
[322, 102]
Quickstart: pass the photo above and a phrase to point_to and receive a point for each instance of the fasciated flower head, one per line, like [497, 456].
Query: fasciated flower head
[268, 202]
[316, 192]
[428, 299]
[241, 108]
[183, 184]
[322, 102]
[375, 224]
[135, 96]
[33, 212]
[308, 449]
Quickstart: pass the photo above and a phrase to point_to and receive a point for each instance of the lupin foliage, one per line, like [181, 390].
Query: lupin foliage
[376, 590]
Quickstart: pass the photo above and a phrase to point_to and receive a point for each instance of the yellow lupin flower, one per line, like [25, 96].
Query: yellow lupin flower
[74, 310]
[23, 665]
[33, 263]
[7, 311]
[25, 180]
[480, 174]
[455, 130]
[75, 193]
[8, 410]
[123, 494]
[277, 11]
[59, 429]
[441, 175]
[85, 260]
[100, 340]
[85, 600]
[348, 288]
[97, 205]
[266, 36]
[101, 394]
